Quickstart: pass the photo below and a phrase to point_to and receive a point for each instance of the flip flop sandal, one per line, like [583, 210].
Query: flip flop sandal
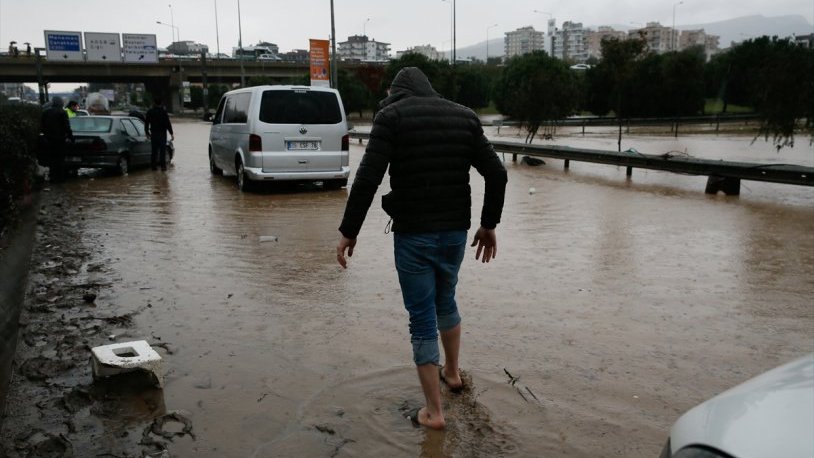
[412, 415]
[452, 389]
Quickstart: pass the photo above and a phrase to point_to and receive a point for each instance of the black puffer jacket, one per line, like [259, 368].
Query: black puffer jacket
[429, 144]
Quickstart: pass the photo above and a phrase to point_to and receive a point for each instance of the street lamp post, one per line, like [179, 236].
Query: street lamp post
[172, 22]
[451, 30]
[334, 82]
[217, 30]
[487, 42]
[240, 47]
[673, 32]
[364, 27]
[174, 29]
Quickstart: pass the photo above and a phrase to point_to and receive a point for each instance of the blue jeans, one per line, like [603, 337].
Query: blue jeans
[428, 265]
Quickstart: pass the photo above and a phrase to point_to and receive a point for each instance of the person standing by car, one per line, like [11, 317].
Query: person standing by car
[56, 129]
[156, 125]
[429, 145]
[72, 108]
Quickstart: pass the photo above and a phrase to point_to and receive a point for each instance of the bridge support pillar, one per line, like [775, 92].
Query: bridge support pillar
[730, 186]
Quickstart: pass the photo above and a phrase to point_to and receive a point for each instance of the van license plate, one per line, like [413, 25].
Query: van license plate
[302, 145]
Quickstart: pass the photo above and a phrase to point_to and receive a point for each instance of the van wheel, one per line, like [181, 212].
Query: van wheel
[212, 167]
[335, 184]
[123, 166]
[243, 182]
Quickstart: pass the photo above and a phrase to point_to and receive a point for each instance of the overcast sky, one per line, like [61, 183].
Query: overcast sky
[402, 23]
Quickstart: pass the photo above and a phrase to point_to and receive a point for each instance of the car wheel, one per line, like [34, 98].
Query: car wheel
[243, 182]
[335, 184]
[123, 166]
[212, 167]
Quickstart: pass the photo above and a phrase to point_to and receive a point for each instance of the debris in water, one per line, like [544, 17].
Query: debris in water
[512, 378]
[89, 297]
[532, 190]
[123, 357]
[268, 238]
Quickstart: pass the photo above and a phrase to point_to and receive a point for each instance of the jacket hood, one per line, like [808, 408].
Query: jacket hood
[56, 101]
[409, 82]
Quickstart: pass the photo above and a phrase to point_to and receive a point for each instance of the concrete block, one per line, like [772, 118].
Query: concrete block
[123, 357]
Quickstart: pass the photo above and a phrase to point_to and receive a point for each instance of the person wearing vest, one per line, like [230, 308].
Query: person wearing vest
[72, 108]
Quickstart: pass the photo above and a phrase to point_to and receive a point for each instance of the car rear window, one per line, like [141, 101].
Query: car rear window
[90, 124]
[300, 107]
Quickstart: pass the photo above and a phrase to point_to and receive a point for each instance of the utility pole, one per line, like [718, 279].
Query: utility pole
[334, 81]
[217, 30]
[454, 56]
[240, 47]
[40, 81]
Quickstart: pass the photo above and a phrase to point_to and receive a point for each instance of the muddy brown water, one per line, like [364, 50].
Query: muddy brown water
[615, 304]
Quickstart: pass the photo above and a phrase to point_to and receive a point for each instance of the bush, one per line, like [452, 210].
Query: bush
[19, 129]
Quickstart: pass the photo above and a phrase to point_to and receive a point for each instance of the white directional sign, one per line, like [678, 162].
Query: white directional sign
[103, 47]
[63, 46]
[139, 48]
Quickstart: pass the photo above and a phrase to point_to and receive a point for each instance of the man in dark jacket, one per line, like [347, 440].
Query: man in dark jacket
[429, 145]
[56, 129]
[157, 125]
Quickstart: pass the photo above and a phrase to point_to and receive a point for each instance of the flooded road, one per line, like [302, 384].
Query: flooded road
[615, 305]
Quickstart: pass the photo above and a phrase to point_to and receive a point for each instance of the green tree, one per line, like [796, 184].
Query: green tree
[534, 89]
[355, 95]
[612, 82]
[474, 86]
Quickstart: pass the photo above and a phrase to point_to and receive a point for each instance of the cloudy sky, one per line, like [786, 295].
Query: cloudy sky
[402, 23]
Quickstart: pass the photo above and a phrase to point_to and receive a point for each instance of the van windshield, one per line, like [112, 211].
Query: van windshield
[299, 107]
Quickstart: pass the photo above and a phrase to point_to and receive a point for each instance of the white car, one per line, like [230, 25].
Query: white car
[771, 415]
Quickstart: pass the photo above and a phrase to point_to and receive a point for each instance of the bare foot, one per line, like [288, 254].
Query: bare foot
[453, 381]
[433, 422]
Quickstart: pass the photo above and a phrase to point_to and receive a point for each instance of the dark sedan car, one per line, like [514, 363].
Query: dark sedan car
[110, 142]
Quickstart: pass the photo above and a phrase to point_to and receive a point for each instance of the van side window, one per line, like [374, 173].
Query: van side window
[300, 107]
[237, 108]
[219, 112]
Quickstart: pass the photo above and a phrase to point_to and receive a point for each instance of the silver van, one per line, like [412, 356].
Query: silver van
[277, 133]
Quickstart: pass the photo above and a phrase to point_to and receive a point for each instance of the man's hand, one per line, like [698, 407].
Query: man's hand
[172, 137]
[486, 240]
[344, 244]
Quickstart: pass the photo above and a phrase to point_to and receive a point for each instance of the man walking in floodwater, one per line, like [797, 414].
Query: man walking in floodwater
[156, 125]
[429, 144]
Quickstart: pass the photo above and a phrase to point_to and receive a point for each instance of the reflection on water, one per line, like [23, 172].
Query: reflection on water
[619, 303]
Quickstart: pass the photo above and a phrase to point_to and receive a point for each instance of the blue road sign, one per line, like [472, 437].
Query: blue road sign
[57, 42]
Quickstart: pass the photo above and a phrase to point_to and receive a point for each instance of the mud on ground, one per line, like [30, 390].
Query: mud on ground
[54, 408]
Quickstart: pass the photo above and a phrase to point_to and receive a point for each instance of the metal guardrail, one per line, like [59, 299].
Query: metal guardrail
[627, 122]
[723, 175]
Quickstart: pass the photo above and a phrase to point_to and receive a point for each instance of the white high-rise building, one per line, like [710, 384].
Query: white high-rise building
[570, 42]
[523, 41]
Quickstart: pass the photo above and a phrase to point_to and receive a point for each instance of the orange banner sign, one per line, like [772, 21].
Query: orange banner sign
[320, 67]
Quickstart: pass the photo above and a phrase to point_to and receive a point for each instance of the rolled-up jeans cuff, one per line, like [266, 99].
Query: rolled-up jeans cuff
[425, 351]
[447, 322]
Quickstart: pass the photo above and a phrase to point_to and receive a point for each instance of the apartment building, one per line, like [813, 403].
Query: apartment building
[659, 38]
[523, 41]
[570, 42]
[425, 50]
[593, 39]
[699, 37]
[359, 47]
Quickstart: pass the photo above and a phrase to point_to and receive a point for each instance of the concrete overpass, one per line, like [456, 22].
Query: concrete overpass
[163, 78]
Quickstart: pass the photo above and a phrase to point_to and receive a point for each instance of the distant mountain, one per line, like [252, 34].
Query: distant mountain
[737, 29]
[496, 49]
[746, 27]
